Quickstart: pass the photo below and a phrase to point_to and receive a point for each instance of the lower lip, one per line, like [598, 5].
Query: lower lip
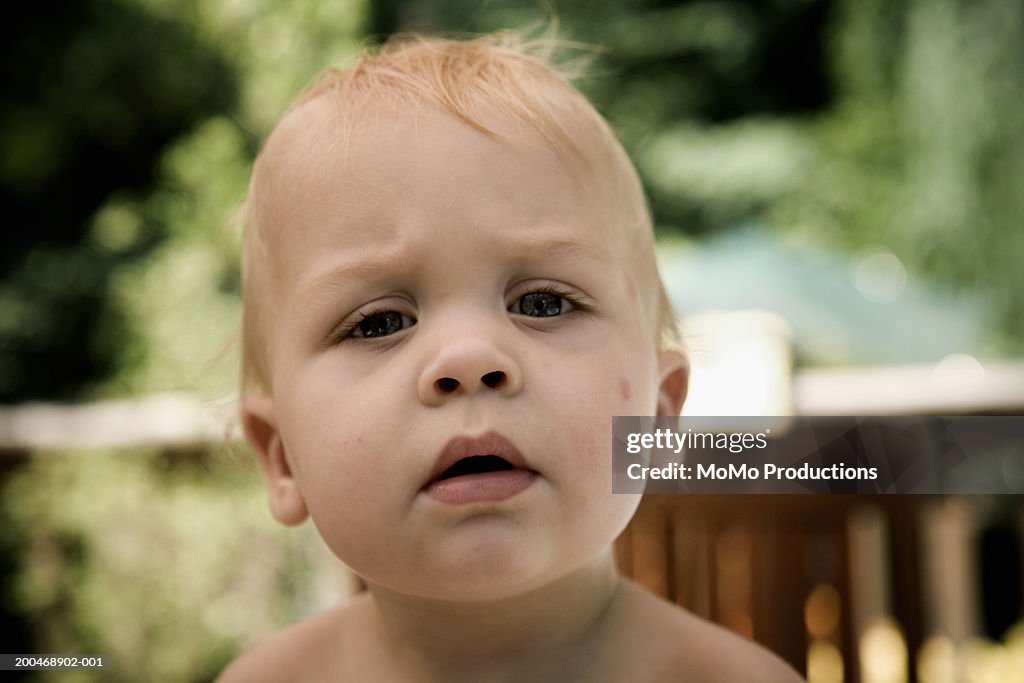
[484, 487]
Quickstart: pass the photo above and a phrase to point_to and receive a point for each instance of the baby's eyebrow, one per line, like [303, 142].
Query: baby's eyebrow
[350, 270]
[524, 246]
[538, 245]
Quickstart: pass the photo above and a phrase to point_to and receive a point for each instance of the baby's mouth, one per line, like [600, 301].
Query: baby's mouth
[476, 464]
[485, 468]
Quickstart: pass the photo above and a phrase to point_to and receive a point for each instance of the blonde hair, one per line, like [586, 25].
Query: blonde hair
[496, 75]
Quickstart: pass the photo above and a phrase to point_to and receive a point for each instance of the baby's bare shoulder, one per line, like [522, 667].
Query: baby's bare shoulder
[682, 646]
[299, 652]
[720, 655]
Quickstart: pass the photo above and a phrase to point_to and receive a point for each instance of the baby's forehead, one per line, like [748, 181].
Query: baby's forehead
[321, 141]
[384, 163]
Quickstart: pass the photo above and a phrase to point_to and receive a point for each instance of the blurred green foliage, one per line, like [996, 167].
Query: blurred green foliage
[86, 108]
[159, 560]
[127, 128]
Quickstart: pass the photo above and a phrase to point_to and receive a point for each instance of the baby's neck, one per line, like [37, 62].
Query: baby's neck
[534, 636]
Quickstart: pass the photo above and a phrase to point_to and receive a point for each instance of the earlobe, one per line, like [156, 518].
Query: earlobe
[258, 419]
[673, 382]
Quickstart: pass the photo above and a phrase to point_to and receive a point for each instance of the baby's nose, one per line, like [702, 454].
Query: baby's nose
[492, 380]
[467, 367]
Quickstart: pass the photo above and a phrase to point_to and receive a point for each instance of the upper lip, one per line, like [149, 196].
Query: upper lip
[489, 443]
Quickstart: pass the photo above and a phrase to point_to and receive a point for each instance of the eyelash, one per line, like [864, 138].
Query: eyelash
[347, 332]
[574, 301]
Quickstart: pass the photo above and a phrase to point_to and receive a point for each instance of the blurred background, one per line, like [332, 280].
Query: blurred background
[836, 186]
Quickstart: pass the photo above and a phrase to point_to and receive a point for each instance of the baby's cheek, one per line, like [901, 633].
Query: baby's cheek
[628, 395]
[350, 524]
[342, 483]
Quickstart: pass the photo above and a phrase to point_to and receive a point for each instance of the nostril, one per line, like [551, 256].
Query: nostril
[493, 379]
[447, 385]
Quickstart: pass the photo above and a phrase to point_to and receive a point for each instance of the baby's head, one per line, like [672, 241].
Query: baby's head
[450, 288]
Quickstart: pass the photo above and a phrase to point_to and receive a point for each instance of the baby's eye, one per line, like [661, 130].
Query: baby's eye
[540, 305]
[381, 324]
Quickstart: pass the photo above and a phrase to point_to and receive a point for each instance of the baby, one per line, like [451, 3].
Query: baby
[450, 288]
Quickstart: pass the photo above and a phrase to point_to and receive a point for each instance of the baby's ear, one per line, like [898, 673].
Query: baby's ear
[286, 501]
[673, 382]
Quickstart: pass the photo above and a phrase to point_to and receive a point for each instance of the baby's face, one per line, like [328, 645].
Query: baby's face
[442, 294]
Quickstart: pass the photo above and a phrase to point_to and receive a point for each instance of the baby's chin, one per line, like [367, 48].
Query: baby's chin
[477, 579]
[486, 575]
